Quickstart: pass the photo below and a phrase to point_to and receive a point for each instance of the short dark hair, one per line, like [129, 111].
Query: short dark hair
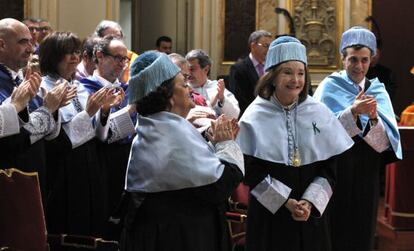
[103, 46]
[162, 39]
[265, 87]
[54, 48]
[356, 47]
[202, 56]
[88, 44]
[158, 100]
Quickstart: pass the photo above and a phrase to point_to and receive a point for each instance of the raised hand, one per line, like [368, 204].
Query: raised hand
[70, 94]
[52, 100]
[220, 93]
[220, 130]
[95, 101]
[363, 104]
[113, 98]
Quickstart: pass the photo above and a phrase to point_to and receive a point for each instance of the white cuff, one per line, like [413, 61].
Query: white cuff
[40, 124]
[348, 122]
[230, 151]
[318, 193]
[55, 132]
[121, 125]
[9, 120]
[80, 129]
[271, 193]
[377, 137]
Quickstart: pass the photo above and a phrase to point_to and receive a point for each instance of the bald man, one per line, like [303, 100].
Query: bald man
[24, 150]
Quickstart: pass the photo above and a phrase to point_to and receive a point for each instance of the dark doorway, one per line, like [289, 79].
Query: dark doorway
[396, 21]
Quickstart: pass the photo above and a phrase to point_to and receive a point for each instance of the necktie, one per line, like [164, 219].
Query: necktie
[260, 69]
[17, 80]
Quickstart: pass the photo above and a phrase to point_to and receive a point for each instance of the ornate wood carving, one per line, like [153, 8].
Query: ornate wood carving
[316, 26]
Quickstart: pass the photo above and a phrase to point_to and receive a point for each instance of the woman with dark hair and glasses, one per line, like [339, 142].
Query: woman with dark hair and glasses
[76, 199]
[178, 183]
[290, 143]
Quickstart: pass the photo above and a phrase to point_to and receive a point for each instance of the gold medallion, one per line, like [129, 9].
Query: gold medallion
[296, 158]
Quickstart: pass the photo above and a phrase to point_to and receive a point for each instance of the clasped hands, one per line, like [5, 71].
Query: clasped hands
[300, 210]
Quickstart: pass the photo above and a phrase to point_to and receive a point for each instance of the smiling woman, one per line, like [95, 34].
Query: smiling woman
[291, 174]
[177, 183]
[76, 199]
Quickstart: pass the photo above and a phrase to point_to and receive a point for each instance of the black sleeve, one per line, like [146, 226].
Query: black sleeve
[327, 170]
[17, 143]
[220, 191]
[255, 172]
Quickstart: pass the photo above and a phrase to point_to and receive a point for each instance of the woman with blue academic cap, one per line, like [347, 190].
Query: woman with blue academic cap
[177, 183]
[290, 143]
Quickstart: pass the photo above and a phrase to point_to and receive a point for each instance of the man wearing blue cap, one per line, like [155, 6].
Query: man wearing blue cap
[364, 108]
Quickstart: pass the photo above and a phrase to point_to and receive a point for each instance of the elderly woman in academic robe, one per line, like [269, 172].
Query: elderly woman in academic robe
[177, 182]
[290, 143]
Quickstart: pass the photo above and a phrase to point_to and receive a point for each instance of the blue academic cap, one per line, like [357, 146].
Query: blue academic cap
[283, 49]
[358, 35]
[147, 72]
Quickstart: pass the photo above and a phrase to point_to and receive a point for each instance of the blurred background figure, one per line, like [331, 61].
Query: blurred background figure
[164, 44]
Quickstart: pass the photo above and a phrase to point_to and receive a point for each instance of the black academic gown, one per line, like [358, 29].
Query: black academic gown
[267, 231]
[77, 192]
[355, 201]
[115, 158]
[183, 220]
[17, 150]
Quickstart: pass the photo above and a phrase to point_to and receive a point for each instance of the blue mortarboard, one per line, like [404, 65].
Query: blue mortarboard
[285, 49]
[148, 72]
[358, 35]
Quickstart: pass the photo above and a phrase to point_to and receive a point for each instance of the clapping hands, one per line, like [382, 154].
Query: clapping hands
[364, 104]
[223, 129]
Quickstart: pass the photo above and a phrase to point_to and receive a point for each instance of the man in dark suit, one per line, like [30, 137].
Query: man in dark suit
[245, 73]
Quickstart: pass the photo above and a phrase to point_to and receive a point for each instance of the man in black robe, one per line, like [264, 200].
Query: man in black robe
[364, 109]
[24, 150]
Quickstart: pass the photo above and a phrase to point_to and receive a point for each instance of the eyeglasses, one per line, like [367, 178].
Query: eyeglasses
[33, 28]
[118, 58]
[263, 45]
[44, 28]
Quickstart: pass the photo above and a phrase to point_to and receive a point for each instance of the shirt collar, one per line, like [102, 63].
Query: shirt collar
[14, 74]
[362, 84]
[254, 61]
[104, 81]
